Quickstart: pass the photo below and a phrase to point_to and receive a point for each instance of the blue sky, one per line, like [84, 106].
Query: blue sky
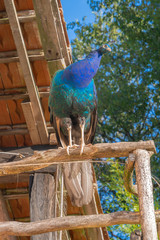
[76, 10]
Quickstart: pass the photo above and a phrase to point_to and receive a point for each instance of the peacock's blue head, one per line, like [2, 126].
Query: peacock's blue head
[105, 48]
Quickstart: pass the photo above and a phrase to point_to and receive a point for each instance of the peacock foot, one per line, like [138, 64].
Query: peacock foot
[72, 146]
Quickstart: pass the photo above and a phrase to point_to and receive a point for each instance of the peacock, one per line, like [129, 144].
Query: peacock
[73, 114]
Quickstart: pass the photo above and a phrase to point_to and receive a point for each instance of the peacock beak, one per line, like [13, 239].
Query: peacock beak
[106, 47]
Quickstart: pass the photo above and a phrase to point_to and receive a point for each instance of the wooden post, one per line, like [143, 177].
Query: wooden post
[158, 228]
[145, 193]
[42, 202]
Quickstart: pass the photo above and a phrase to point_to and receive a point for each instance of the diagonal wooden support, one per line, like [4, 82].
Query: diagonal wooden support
[31, 123]
[145, 194]
[26, 68]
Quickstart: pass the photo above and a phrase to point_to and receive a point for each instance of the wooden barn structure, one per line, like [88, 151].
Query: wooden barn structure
[33, 45]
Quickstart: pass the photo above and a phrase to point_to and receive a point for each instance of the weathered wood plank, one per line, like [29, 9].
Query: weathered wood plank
[21, 96]
[31, 123]
[24, 131]
[42, 202]
[43, 159]
[49, 35]
[145, 194]
[26, 68]
[61, 33]
[12, 54]
[47, 29]
[23, 16]
[71, 222]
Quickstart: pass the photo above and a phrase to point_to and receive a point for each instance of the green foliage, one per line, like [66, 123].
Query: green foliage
[128, 86]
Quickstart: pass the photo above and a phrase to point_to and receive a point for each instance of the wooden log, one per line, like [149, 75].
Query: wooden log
[26, 68]
[4, 217]
[70, 223]
[158, 228]
[128, 175]
[42, 202]
[43, 159]
[31, 122]
[145, 194]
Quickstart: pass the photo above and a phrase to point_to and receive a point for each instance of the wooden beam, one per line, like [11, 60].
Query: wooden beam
[22, 130]
[47, 29]
[15, 196]
[158, 228]
[70, 223]
[22, 90]
[49, 35]
[31, 53]
[43, 159]
[61, 33]
[16, 59]
[24, 177]
[4, 217]
[26, 68]
[17, 131]
[31, 122]
[23, 16]
[42, 202]
[145, 194]
[21, 96]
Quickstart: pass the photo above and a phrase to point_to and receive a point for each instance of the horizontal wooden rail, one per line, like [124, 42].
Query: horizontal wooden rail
[21, 96]
[70, 223]
[21, 130]
[23, 16]
[43, 159]
[22, 90]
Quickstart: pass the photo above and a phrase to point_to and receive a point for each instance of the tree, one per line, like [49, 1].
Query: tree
[128, 86]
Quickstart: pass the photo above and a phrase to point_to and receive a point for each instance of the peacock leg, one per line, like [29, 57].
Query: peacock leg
[82, 125]
[69, 129]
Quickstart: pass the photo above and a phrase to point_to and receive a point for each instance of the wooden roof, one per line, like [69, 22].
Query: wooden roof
[33, 45]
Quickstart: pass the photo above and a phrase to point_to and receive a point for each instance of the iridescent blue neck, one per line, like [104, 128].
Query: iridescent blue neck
[80, 74]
